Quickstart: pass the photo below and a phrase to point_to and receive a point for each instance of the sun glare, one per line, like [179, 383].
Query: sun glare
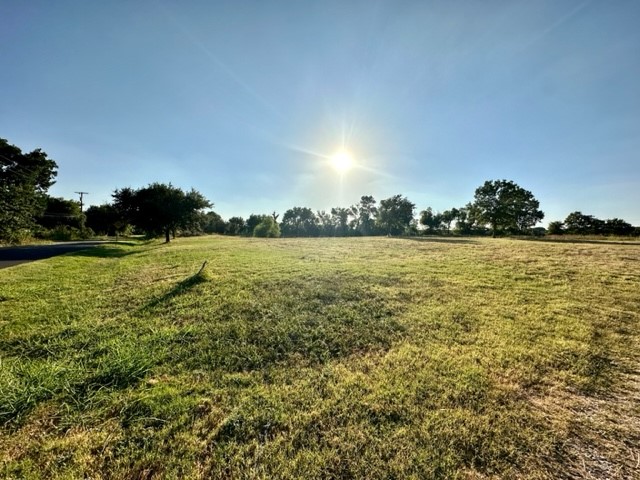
[342, 161]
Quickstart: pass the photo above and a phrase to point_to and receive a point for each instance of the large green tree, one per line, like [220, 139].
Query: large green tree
[617, 226]
[160, 208]
[578, 223]
[581, 224]
[299, 222]
[24, 181]
[507, 207]
[395, 214]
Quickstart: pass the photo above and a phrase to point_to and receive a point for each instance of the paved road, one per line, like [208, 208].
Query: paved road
[10, 256]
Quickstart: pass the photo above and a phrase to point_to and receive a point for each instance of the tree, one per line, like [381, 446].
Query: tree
[433, 221]
[299, 222]
[24, 181]
[326, 225]
[469, 221]
[61, 212]
[160, 208]
[340, 217]
[251, 223]
[267, 228]
[555, 228]
[449, 216]
[617, 226]
[212, 223]
[579, 224]
[507, 207]
[367, 214]
[105, 220]
[395, 214]
[235, 225]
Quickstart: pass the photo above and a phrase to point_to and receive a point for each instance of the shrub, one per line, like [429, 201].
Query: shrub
[64, 233]
[267, 228]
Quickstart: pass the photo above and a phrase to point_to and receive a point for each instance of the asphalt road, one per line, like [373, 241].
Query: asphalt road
[10, 256]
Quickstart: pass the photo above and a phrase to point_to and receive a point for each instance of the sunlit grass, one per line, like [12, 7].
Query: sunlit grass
[319, 358]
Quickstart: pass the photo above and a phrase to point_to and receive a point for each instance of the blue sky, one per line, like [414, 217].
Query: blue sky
[244, 100]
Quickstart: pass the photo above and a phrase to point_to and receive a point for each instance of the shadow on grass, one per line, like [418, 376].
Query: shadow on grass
[106, 251]
[182, 287]
[449, 240]
[110, 250]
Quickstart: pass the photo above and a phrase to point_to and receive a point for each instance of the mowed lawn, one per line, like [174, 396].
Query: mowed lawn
[323, 358]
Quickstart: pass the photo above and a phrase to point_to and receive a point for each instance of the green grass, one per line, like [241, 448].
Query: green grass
[322, 358]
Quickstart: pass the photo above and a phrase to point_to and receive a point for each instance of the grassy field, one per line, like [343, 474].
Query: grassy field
[323, 358]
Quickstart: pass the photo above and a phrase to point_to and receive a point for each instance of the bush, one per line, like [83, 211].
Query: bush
[267, 228]
[556, 228]
[64, 233]
[17, 237]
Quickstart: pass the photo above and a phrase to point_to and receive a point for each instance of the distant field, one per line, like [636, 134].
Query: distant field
[323, 358]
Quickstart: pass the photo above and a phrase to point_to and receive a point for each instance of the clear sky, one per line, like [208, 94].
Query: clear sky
[245, 100]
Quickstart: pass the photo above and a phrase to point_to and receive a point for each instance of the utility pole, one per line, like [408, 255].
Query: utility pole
[81, 198]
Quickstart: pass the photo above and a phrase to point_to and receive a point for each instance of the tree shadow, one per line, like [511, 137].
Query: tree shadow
[448, 240]
[105, 251]
[182, 287]
[110, 250]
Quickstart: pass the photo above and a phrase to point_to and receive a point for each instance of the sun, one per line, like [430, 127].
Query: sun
[342, 161]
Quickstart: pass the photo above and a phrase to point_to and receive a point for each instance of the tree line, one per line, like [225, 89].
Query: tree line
[578, 223]
[499, 207]
[502, 205]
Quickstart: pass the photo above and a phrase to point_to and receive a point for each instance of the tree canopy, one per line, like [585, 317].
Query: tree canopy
[578, 223]
[367, 214]
[395, 214]
[235, 226]
[433, 221]
[507, 207]
[299, 222]
[160, 208]
[24, 181]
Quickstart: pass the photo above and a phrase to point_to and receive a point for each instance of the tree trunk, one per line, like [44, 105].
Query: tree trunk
[167, 237]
